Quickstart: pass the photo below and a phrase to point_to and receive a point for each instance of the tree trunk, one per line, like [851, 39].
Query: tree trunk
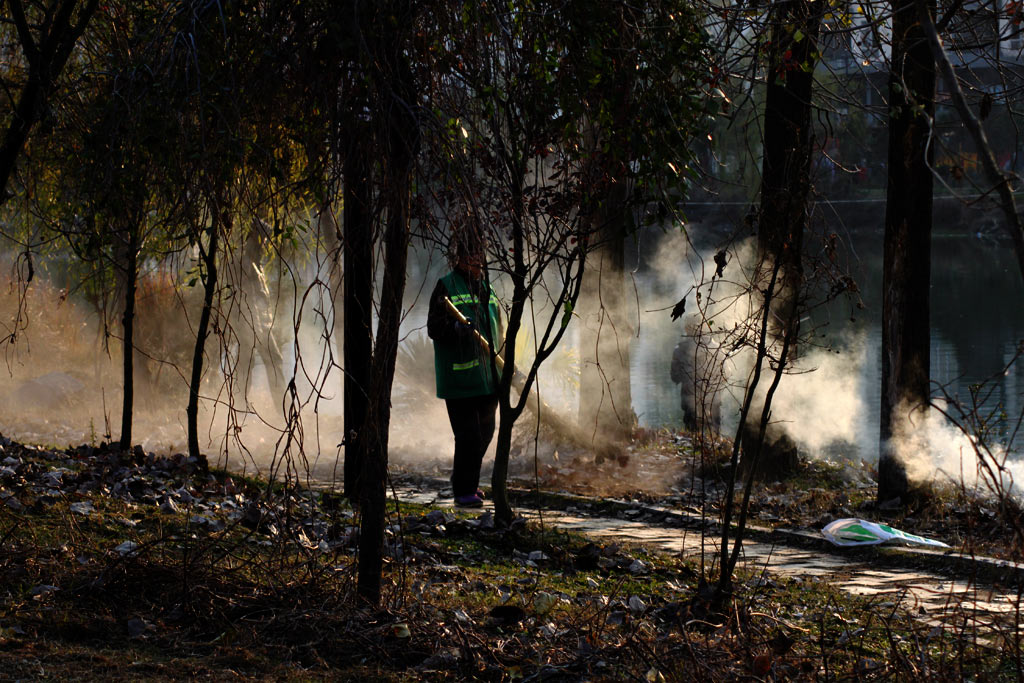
[785, 188]
[499, 475]
[373, 444]
[358, 307]
[22, 120]
[507, 414]
[129, 262]
[400, 142]
[209, 287]
[46, 55]
[907, 251]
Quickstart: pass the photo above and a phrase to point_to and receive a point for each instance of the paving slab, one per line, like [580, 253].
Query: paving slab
[935, 599]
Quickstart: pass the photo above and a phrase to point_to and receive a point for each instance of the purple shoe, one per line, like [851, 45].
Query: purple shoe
[470, 500]
[480, 494]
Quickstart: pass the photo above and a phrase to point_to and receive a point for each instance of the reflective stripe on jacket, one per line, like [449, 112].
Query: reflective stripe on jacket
[461, 367]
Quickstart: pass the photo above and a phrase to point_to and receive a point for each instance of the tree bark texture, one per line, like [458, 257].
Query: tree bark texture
[358, 306]
[210, 284]
[373, 445]
[46, 55]
[400, 141]
[785, 170]
[907, 246]
[507, 411]
[785, 188]
[129, 264]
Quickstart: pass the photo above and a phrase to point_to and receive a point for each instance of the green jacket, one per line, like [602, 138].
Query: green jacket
[461, 367]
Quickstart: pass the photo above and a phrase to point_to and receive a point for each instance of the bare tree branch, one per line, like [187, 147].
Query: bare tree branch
[1001, 181]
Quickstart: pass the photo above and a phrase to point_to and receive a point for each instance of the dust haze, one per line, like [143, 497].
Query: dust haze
[61, 383]
[822, 403]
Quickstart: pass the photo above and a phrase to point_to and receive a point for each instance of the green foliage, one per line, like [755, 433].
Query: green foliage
[190, 120]
[549, 84]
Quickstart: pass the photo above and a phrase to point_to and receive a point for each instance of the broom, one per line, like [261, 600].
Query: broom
[548, 416]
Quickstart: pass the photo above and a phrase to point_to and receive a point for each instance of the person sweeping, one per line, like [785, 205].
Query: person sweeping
[465, 376]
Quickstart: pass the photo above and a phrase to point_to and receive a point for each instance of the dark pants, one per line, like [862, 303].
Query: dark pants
[473, 426]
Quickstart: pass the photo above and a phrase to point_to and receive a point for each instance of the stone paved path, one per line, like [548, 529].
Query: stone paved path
[937, 600]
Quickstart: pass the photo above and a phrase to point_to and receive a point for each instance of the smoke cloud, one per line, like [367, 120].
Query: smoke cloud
[933, 448]
[62, 383]
[824, 402]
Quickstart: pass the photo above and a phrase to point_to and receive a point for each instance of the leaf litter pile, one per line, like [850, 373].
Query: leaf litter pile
[119, 564]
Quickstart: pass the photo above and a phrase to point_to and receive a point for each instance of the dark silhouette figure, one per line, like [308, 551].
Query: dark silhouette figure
[695, 370]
